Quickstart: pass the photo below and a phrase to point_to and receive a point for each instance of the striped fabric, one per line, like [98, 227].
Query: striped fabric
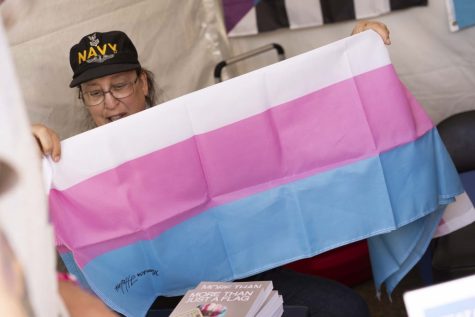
[247, 17]
[252, 173]
[461, 14]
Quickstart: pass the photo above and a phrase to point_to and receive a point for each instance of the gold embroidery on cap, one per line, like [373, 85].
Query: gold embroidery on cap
[96, 53]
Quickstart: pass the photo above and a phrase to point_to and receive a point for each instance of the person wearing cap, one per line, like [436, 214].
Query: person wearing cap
[91, 62]
[112, 85]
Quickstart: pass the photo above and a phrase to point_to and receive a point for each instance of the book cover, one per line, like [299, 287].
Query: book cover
[271, 306]
[224, 299]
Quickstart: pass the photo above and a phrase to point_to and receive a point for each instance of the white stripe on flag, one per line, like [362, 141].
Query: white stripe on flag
[370, 8]
[304, 13]
[216, 106]
[247, 25]
[457, 215]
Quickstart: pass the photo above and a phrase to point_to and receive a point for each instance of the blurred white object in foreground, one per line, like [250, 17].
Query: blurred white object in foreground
[450, 299]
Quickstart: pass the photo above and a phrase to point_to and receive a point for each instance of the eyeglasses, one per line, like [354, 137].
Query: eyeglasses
[118, 91]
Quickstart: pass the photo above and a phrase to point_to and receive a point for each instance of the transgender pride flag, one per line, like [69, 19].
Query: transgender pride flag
[280, 164]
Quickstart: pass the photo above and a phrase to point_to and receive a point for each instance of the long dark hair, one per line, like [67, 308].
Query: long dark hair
[151, 97]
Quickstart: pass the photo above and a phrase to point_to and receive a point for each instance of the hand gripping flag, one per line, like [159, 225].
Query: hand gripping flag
[280, 164]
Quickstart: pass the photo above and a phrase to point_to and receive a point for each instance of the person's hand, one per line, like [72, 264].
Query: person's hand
[80, 303]
[48, 141]
[379, 27]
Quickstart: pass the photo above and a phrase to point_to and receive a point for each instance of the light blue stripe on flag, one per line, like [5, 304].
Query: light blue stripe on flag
[398, 197]
[464, 11]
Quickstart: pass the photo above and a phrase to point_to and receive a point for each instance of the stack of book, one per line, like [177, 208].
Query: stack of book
[231, 299]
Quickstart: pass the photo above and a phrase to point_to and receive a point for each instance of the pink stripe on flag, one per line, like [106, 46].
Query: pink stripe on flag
[343, 123]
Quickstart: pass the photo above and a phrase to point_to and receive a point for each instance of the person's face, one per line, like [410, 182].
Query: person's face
[112, 108]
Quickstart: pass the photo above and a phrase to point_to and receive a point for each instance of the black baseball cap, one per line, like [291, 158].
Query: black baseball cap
[100, 54]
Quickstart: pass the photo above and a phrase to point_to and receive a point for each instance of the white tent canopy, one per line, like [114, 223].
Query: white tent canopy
[182, 41]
